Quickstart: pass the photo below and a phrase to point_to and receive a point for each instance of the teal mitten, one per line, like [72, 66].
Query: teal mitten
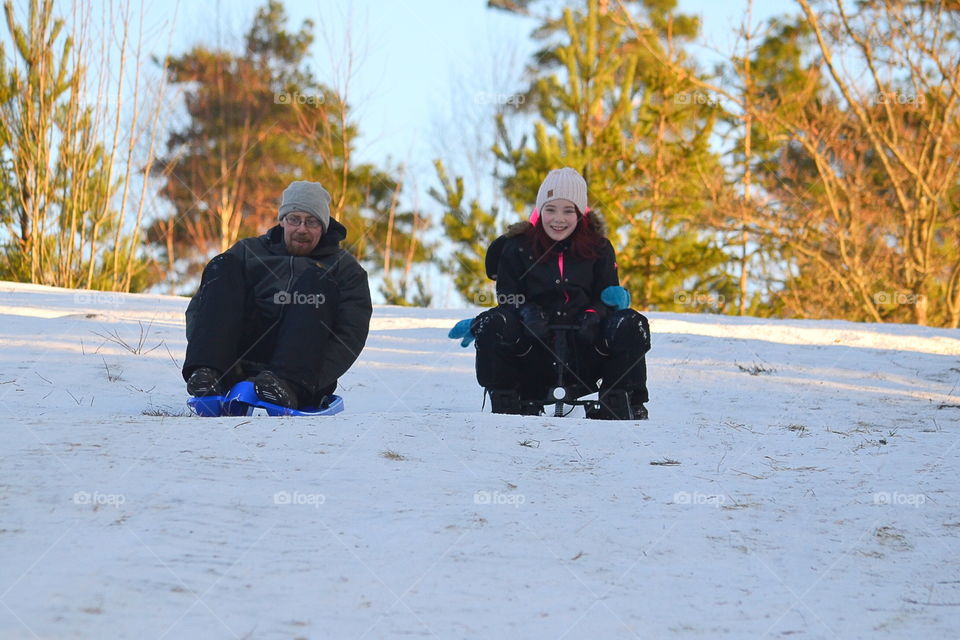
[462, 330]
[616, 297]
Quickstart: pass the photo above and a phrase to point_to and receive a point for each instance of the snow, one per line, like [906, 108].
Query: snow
[817, 498]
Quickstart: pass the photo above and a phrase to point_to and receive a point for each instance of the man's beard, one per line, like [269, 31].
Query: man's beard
[300, 249]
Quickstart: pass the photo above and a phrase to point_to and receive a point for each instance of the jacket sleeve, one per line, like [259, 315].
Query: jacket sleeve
[352, 323]
[509, 270]
[193, 307]
[604, 275]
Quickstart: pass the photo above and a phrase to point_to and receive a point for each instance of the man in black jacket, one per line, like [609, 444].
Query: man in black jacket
[289, 309]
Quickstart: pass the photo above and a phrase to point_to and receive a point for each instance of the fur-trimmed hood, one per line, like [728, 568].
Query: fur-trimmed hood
[561, 285]
[492, 259]
[594, 219]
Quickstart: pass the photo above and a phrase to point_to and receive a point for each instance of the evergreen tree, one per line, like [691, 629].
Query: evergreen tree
[256, 122]
[57, 174]
[472, 229]
[604, 105]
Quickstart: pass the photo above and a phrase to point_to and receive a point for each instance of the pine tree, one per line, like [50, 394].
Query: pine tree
[257, 121]
[58, 175]
[602, 104]
[472, 229]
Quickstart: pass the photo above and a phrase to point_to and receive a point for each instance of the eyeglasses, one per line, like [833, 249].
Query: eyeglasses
[295, 221]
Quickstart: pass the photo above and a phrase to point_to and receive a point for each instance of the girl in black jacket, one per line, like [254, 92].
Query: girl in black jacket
[560, 269]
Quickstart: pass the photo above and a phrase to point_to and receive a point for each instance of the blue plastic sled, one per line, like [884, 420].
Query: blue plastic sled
[242, 400]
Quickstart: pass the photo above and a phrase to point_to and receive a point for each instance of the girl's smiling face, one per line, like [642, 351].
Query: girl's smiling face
[559, 219]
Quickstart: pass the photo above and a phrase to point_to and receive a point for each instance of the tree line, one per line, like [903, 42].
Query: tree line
[811, 173]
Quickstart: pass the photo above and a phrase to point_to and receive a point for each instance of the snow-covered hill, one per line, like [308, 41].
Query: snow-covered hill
[816, 499]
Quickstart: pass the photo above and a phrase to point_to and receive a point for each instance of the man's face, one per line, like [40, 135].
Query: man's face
[301, 233]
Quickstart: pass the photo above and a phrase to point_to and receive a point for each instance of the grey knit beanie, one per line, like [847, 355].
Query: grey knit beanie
[308, 197]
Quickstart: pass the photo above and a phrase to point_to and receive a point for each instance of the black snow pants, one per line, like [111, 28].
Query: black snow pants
[239, 336]
[509, 358]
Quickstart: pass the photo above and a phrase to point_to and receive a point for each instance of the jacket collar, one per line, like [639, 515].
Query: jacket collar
[594, 219]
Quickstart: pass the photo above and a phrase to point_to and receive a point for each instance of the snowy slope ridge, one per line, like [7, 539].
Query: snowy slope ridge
[796, 478]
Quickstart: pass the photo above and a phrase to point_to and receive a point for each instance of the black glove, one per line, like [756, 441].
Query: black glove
[589, 322]
[496, 325]
[489, 323]
[625, 329]
[534, 320]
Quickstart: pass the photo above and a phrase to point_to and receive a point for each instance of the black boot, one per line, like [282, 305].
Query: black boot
[530, 407]
[637, 400]
[505, 401]
[614, 405]
[204, 381]
[273, 389]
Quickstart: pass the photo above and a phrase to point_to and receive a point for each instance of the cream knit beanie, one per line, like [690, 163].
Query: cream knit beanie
[565, 184]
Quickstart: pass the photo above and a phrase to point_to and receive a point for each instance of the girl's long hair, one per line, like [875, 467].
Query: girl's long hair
[585, 243]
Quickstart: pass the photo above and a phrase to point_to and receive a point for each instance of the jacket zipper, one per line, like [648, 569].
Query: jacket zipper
[566, 296]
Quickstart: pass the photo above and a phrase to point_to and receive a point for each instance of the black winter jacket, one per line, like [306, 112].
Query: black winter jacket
[558, 284]
[270, 269]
